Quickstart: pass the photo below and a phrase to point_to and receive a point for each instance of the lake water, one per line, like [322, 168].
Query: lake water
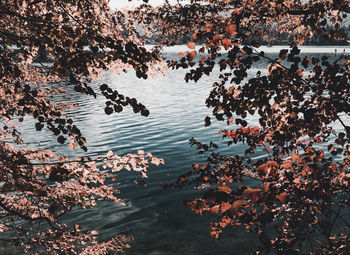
[154, 216]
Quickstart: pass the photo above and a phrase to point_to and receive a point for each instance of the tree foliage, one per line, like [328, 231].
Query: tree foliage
[44, 43]
[299, 201]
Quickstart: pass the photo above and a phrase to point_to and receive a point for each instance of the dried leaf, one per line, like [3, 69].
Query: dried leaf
[231, 30]
[224, 188]
[225, 207]
[294, 157]
[282, 197]
[252, 193]
[226, 43]
[215, 209]
[236, 206]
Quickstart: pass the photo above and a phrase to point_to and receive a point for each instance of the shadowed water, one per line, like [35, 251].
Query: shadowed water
[154, 216]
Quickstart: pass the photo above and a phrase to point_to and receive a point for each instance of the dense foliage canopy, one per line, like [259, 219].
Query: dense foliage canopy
[300, 200]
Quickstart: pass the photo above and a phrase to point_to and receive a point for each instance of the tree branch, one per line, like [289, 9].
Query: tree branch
[25, 217]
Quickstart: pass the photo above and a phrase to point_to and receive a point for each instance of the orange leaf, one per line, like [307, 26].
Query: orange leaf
[229, 121]
[286, 165]
[294, 157]
[216, 38]
[236, 205]
[182, 54]
[214, 234]
[252, 193]
[224, 188]
[235, 11]
[215, 209]
[191, 45]
[226, 43]
[208, 28]
[231, 30]
[262, 169]
[282, 197]
[225, 207]
[272, 163]
[267, 186]
[299, 72]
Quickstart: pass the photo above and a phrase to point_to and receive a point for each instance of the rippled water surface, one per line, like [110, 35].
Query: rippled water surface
[154, 216]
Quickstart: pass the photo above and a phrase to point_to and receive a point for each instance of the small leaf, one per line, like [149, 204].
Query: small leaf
[299, 72]
[108, 110]
[224, 188]
[231, 30]
[266, 186]
[294, 157]
[207, 121]
[61, 139]
[191, 45]
[226, 43]
[286, 165]
[236, 205]
[192, 55]
[282, 197]
[252, 193]
[215, 209]
[225, 207]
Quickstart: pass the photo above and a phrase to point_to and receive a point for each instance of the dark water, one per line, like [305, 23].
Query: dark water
[154, 216]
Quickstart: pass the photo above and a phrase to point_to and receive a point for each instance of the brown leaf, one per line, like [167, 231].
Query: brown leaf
[262, 169]
[252, 193]
[294, 157]
[236, 205]
[226, 43]
[286, 165]
[215, 209]
[231, 30]
[272, 163]
[216, 38]
[267, 186]
[299, 72]
[282, 197]
[224, 188]
[208, 28]
[225, 207]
